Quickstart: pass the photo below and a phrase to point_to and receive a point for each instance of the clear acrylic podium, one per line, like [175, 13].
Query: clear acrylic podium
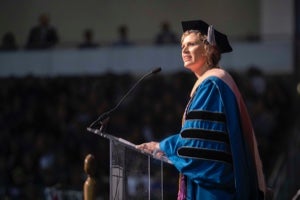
[134, 174]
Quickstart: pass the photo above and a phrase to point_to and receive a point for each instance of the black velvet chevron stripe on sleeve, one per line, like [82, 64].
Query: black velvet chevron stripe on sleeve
[206, 154]
[205, 115]
[205, 135]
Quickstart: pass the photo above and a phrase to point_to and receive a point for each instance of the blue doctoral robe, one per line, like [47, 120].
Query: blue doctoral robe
[211, 150]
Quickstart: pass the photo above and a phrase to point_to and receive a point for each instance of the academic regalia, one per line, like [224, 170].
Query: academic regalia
[216, 150]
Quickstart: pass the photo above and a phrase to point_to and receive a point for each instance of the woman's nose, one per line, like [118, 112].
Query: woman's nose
[184, 49]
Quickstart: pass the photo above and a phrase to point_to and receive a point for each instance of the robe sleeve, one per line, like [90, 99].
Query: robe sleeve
[201, 150]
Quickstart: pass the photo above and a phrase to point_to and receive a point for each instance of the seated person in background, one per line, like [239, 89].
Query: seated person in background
[43, 35]
[88, 40]
[8, 42]
[166, 35]
[123, 37]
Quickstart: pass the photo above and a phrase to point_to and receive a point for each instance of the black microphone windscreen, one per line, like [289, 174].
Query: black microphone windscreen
[156, 70]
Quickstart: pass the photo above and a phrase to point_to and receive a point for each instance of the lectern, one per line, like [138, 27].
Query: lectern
[134, 174]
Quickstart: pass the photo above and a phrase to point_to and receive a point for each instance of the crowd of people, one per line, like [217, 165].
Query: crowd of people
[44, 120]
[44, 35]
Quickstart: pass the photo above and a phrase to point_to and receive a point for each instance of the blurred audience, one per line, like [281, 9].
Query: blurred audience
[123, 37]
[166, 35]
[269, 101]
[43, 35]
[43, 125]
[88, 40]
[8, 42]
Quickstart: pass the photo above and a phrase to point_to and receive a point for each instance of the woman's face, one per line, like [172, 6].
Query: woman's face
[192, 51]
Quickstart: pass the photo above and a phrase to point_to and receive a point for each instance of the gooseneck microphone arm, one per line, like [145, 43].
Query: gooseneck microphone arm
[105, 115]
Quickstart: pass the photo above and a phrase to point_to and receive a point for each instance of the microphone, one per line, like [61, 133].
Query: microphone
[106, 115]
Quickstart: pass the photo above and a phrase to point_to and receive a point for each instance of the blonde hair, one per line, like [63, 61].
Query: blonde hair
[211, 52]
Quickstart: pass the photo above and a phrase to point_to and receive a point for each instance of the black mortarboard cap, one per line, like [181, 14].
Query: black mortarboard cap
[221, 39]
